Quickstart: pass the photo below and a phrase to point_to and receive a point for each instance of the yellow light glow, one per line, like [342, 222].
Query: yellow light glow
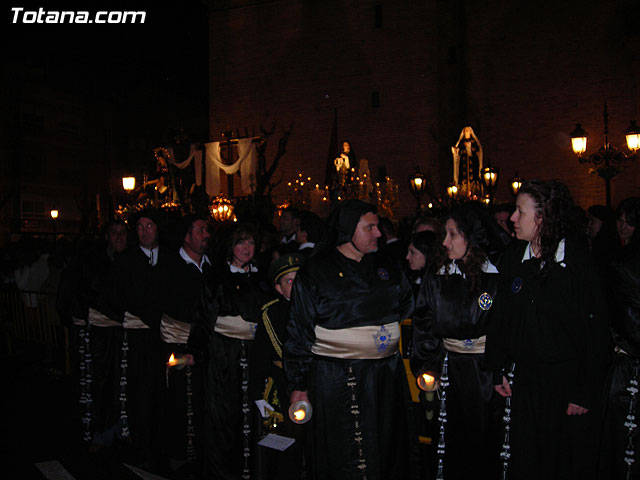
[299, 415]
[427, 382]
[633, 141]
[128, 183]
[172, 360]
[418, 181]
[54, 214]
[579, 145]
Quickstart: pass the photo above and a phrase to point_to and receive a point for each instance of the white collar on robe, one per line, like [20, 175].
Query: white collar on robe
[453, 269]
[185, 256]
[235, 269]
[528, 254]
[148, 252]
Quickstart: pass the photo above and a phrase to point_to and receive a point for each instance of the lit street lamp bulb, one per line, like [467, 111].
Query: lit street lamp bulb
[54, 214]
[128, 183]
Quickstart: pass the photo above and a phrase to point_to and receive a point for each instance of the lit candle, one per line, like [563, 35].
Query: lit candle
[427, 382]
[175, 361]
[300, 412]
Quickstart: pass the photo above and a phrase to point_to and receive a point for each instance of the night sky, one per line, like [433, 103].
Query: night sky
[167, 54]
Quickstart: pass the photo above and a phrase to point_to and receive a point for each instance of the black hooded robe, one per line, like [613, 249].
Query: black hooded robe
[360, 425]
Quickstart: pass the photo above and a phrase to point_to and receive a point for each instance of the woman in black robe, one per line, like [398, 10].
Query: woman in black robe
[621, 436]
[239, 291]
[550, 320]
[449, 332]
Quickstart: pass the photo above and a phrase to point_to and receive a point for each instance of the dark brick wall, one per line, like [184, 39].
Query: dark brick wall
[521, 73]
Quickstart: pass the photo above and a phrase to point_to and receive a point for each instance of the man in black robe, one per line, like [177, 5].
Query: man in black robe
[182, 390]
[135, 298]
[342, 354]
[98, 331]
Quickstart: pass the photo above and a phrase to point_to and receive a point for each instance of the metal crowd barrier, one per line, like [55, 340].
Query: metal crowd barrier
[31, 317]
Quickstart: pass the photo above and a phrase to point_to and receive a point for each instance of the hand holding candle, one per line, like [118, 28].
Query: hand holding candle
[300, 412]
[180, 361]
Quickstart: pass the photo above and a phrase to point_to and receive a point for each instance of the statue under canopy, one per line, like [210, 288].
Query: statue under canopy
[467, 163]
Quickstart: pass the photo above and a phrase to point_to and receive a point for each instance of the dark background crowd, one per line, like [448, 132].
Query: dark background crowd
[43, 277]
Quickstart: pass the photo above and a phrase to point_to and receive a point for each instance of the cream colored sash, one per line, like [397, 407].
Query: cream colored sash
[131, 321]
[174, 331]
[99, 319]
[79, 322]
[471, 345]
[236, 327]
[375, 341]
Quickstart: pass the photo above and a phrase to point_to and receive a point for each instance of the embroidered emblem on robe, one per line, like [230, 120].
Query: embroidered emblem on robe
[382, 339]
[383, 274]
[485, 301]
[516, 286]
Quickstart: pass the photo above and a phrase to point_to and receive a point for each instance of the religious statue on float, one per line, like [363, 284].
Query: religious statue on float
[346, 164]
[467, 164]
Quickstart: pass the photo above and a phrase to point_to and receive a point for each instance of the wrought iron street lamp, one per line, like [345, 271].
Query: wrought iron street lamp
[418, 185]
[54, 216]
[516, 184]
[607, 160]
[489, 177]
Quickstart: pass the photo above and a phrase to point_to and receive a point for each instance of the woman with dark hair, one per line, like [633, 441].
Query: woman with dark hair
[550, 319]
[420, 255]
[627, 221]
[239, 292]
[449, 331]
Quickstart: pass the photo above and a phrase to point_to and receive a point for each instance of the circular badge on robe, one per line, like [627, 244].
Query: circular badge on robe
[516, 285]
[485, 301]
[383, 274]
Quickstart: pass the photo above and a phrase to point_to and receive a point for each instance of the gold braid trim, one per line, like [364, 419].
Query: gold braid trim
[275, 341]
[267, 389]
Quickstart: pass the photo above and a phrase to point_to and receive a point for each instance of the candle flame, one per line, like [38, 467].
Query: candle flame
[172, 360]
[427, 382]
[299, 415]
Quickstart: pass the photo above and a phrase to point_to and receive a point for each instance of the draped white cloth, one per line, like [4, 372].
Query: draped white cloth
[195, 154]
[246, 163]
